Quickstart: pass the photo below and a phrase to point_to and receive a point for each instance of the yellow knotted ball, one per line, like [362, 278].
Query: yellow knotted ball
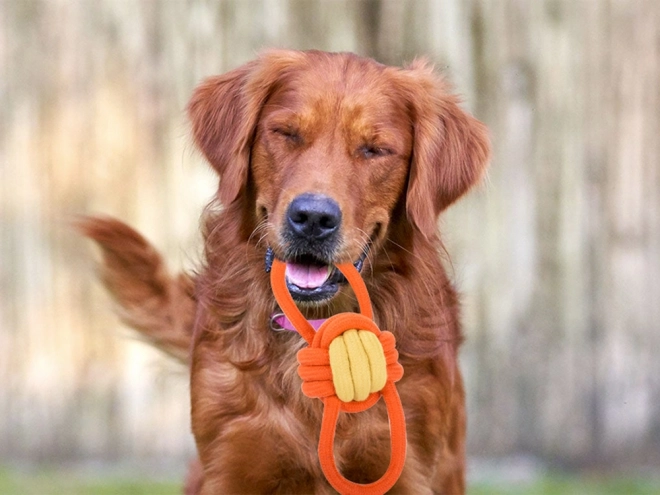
[358, 365]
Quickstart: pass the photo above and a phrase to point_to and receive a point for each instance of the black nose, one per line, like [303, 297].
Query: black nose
[314, 216]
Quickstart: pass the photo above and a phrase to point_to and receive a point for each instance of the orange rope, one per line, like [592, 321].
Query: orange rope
[315, 370]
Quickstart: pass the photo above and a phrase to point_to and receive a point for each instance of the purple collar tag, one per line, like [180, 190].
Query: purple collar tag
[280, 323]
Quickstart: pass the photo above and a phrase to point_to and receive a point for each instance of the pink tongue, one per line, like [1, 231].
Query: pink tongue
[306, 276]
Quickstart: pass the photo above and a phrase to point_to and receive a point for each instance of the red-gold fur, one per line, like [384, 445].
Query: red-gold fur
[393, 149]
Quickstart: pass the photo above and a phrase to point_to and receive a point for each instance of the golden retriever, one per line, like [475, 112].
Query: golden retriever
[323, 158]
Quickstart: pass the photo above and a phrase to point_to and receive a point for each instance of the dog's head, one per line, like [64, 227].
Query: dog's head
[328, 146]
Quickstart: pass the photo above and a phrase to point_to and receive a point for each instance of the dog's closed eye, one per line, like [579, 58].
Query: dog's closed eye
[289, 133]
[371, 151]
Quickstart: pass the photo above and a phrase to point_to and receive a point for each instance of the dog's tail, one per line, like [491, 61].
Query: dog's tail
[160, 306]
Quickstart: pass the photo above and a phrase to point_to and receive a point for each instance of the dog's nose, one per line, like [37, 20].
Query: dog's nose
[314, 216]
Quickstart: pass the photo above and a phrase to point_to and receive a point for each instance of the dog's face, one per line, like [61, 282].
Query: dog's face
[330, 160]
[327, 145]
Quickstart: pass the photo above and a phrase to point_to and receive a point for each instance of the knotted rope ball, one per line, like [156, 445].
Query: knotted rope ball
[358, 365]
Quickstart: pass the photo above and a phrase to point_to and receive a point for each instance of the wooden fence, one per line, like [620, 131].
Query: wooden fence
[558, 255]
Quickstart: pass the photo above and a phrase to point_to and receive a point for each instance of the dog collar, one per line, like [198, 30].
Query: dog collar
[279, 323]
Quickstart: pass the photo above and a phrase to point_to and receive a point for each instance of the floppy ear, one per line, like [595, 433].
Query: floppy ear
[450, 151]
[224, 111]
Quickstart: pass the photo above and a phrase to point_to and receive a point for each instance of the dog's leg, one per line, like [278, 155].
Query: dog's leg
[450, 475]
[161, 307]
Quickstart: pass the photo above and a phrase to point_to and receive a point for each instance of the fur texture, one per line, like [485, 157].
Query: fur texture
[393, 149]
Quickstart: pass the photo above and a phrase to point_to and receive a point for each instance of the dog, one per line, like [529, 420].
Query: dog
[323, 158]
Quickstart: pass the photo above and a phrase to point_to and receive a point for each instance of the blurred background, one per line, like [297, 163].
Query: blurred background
[557, 254]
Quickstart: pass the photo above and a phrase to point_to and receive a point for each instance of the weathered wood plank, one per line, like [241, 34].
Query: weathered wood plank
[558, 254]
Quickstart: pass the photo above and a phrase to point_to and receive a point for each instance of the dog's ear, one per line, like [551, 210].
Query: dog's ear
[224, 111]
[222, 125]
[450, 152]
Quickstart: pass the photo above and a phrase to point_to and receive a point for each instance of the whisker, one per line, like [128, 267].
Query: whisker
[260, 228]
[366, 239]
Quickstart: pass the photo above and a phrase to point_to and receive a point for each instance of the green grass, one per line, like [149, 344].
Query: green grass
[569, 485]
[57, 482]
[47, 482]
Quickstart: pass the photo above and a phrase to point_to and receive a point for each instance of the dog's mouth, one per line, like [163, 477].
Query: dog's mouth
[309, 279]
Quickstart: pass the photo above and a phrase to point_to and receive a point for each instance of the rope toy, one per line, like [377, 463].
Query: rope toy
[349, 364]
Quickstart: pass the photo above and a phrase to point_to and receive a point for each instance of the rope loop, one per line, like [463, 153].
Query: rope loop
[349, 364]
